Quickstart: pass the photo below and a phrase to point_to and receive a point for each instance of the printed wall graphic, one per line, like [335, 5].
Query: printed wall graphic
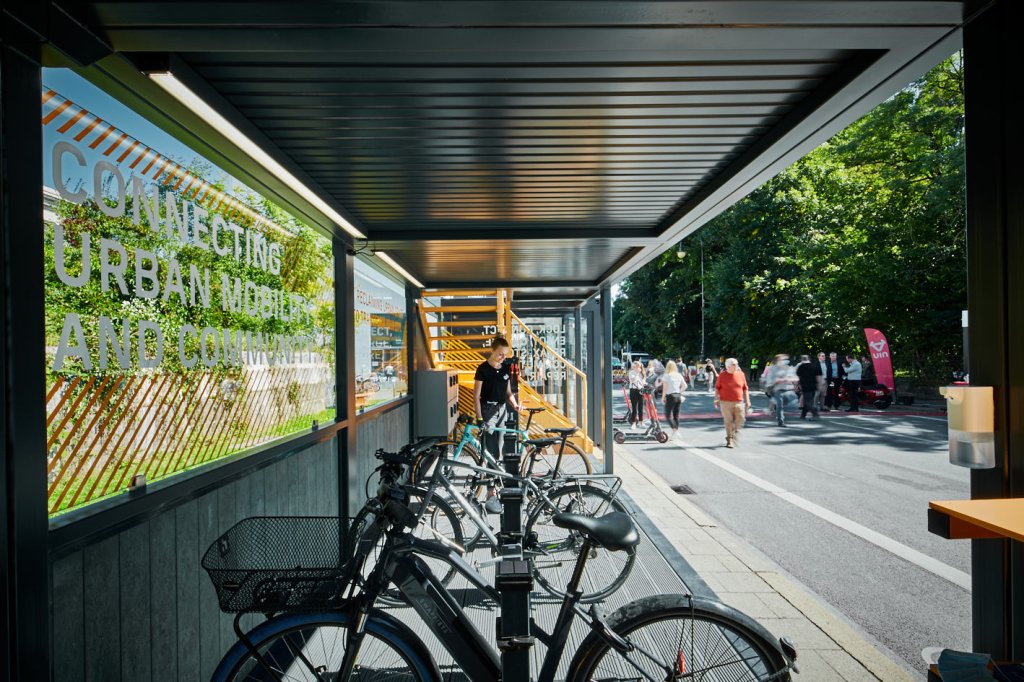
[187, 317]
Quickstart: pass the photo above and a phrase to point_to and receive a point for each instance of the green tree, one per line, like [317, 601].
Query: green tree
[868, 230]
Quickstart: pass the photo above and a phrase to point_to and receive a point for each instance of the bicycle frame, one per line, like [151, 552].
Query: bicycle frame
[443, 615]
[438, 479]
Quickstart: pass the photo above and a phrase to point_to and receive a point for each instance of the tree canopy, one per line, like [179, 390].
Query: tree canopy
[868, 230]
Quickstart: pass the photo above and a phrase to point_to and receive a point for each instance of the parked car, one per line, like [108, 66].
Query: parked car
[877, 395]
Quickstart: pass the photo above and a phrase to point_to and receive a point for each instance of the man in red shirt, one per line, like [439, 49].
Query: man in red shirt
[732, 397]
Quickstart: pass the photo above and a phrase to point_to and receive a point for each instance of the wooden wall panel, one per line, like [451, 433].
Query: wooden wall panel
[137, 606]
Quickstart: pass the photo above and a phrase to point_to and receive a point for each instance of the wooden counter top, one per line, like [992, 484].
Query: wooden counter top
[996, 518]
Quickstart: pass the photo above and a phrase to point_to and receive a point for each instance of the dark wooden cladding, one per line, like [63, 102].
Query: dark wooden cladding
[137, 606]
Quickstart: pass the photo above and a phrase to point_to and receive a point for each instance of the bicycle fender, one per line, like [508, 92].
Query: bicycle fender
[378, 622]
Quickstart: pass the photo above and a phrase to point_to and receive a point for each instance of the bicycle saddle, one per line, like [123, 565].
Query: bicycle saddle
[535, 410]
[541, 442]
[563, 432]
[615, 531]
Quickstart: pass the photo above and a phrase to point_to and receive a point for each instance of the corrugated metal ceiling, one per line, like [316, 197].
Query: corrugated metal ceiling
[536, 142]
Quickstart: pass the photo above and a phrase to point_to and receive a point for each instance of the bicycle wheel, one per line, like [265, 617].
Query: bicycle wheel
[557, 549]
[309, 647]
[677, 636]
[439, 520]
[574, 462]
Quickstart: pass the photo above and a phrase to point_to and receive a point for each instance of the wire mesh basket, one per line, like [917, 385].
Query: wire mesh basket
[277, 564]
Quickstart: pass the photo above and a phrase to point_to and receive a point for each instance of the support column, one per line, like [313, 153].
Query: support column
[995, 282]
[344, 374]
[25, 573]
[593, 375]
[578, 360]
[608, 443]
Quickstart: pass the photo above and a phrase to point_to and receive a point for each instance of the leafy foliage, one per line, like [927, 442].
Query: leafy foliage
[868, 230]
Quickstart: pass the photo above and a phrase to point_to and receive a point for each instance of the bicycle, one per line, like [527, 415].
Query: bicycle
[656, 638]
[547, 497]
[568, 458]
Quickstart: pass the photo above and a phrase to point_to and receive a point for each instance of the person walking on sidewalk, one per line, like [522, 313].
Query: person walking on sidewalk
[732, 397]
[710, 375]
[637, 381]
[672, 384]
[782, 381]
[811, 381]
[853, 371]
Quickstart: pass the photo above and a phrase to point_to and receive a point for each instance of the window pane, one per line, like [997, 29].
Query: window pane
[187, 318]
[381, 372]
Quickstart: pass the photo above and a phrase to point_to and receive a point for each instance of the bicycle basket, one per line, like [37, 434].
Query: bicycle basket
[276, 564]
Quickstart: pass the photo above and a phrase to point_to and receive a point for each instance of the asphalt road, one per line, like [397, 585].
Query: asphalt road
[841, 505]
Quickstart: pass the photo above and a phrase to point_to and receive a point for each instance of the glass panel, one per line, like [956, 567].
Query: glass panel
[187, 319]
[381, 370]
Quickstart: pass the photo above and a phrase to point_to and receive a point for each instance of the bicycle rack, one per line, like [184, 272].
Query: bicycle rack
[513, 578]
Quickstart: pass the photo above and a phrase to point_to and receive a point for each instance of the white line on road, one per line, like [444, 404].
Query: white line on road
[932, 565]
[934, 441]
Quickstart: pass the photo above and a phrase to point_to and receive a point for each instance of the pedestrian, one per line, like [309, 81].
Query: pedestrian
[852, 370]
[710, 375]
[782, 381]
[637, 381]
[833, 380]
[492, 392]
[867, 372]
[809, 375]
[821, 396]
[672, 386]
[732, 398]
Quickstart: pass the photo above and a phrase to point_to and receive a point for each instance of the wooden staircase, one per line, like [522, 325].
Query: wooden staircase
[459, 325]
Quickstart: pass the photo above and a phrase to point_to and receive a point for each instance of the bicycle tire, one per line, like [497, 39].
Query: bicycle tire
[322, 638]
[562, 546]
[575, 462]
[734, 647]
[439, 519]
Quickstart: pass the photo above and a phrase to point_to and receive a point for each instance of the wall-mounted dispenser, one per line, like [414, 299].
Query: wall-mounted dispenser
[971, 417]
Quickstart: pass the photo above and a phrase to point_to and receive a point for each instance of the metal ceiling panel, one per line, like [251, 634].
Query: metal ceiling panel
[559, 142]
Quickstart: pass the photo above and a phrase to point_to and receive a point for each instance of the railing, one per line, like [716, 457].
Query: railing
[547, 372]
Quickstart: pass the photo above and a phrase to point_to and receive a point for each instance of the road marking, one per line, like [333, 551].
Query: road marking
[933, 441]
[930, 564]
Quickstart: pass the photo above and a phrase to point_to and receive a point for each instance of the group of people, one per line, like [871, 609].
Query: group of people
[667, 379]
[732, 395]
[814, 384]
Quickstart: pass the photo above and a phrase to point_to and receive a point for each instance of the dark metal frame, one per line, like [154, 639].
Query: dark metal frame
[26, 572]
[995, 251]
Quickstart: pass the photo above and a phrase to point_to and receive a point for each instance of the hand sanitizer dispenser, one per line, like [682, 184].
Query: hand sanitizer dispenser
[971, 417]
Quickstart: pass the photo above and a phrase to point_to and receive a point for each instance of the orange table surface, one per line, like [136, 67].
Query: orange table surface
[1004, 516]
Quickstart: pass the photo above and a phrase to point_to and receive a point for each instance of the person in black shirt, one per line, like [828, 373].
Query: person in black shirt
[492, 392]
[809, 375]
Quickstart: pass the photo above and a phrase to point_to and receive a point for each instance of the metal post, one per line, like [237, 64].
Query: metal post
[578, 360]
[995, 249]
[344, 375]
[701, 359]
[24, 524]
[608, 443]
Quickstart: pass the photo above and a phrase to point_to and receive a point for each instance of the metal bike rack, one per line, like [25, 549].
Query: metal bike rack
[513, 579]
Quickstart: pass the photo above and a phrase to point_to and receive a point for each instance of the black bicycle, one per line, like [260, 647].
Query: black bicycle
[328, 628]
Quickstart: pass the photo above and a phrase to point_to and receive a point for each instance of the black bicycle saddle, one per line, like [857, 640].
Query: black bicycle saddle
[615, 531]
[563, 432]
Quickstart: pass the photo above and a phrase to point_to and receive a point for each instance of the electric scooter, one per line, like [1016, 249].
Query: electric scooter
[623, 418]
[653, 432]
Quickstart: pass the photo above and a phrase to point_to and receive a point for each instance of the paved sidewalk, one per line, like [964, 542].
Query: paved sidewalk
[829, 647]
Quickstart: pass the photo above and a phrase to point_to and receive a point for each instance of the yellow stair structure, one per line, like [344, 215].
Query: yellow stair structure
[457, 337]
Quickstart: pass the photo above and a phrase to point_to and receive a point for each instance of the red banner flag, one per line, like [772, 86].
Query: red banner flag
[880, 358]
